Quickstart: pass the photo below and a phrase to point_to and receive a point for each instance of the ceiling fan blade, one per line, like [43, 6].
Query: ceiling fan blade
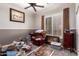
[34, 8]
[39, 6]
[27, 7]
[32, 4]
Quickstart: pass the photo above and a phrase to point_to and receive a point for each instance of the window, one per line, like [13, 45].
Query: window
[49, 25]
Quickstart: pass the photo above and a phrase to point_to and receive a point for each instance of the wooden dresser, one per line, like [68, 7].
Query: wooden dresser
[70, 40]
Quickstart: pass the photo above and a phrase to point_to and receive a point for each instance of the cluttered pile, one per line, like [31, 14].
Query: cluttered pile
[43, 50]
[15, 47]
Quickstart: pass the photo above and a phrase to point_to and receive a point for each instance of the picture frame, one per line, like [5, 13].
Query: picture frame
[17, 16]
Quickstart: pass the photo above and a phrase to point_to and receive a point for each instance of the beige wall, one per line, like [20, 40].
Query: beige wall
[7, 36]
[5, 22]
[51, 11]
[10, 31]
[59, 9]
[32, 21]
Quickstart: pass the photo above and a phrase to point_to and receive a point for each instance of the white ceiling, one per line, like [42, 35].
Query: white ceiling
[47, 6]
[23, 5]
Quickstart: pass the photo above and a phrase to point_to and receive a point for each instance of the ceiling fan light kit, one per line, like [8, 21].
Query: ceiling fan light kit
[33, 5]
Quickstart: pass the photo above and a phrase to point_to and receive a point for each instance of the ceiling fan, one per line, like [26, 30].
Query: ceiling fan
[33, 5]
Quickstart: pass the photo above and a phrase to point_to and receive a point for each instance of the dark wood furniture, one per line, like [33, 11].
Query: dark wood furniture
[38, 38]
[70, 40]
[70, 35]
[42, 22]
[66, 18]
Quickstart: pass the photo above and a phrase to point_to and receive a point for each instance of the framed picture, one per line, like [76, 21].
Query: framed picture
[17, 16]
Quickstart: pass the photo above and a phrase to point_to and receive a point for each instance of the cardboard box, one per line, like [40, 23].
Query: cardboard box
[11, 48]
